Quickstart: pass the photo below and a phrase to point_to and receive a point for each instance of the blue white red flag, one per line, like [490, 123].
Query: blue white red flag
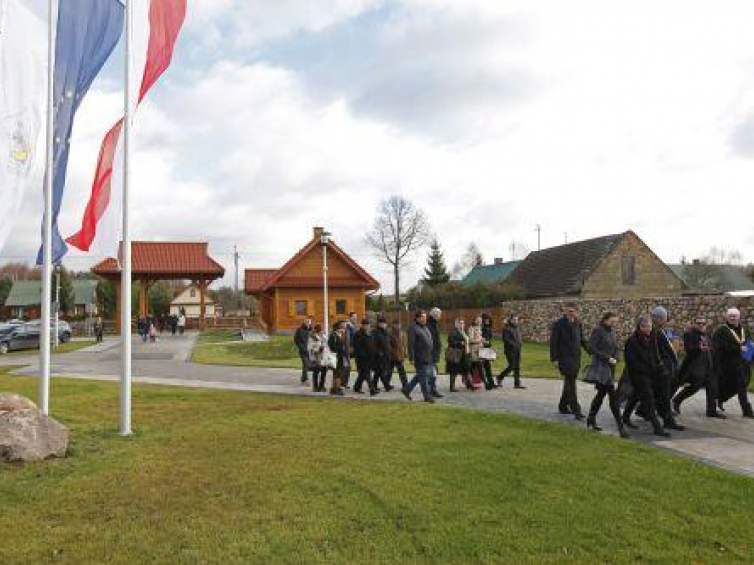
[87, 32]
[157, 24]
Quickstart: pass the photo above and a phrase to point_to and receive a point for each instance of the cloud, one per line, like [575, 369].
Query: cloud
[491, 116]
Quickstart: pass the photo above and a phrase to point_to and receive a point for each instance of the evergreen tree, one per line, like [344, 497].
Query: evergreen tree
[67, 296]
[6, 283]
[436, 272]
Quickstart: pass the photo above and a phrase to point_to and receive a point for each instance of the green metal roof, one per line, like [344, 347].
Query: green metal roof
[487, 274]
[28, 293]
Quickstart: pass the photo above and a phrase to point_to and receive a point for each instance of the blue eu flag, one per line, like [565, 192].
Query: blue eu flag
[87, 32]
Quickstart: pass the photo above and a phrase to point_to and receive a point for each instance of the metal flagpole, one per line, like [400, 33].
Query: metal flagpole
[44, 338]
[125, 294]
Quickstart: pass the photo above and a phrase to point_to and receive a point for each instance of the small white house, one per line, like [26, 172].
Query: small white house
[189, 300]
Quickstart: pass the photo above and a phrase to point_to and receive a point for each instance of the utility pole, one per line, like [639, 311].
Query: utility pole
[235, 260]
[538, 229]
[565, 237]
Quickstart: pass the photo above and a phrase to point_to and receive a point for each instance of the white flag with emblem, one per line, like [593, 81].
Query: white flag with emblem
[23, 80]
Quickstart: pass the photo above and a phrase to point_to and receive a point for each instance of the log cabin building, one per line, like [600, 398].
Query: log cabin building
[294, 292]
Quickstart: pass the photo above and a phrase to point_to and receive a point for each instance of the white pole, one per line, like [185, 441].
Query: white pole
[46, 298]
[326, 324]
[56, 335]
[125, 294]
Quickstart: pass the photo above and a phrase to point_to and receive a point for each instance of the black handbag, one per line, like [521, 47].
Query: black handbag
[453, 355]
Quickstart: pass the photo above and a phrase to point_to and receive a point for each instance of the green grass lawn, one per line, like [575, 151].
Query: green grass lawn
[222, 477]
[212, 336]
[279, 351]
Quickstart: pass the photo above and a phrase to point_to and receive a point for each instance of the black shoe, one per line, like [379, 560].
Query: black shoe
[564, 410]
[591, 423]
[406, 394]
[623, 433]
[358, 391]
[520, 387]
[389, 388]
[453, 389]
[662, 433]
[720, 407]
[429, 400]
[578, 417]
[717, 415]
[437, 395]
[673, 425]
[374, 392]
[629, 424]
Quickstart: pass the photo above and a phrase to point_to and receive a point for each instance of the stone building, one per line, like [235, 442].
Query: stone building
[613, 266]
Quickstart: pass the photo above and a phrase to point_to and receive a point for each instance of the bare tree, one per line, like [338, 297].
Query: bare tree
[471, 258]
[399, 230]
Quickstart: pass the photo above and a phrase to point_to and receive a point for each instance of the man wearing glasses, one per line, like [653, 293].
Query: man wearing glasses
[696, 371]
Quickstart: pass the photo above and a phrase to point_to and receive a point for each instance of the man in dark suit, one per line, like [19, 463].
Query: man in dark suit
[566, 341]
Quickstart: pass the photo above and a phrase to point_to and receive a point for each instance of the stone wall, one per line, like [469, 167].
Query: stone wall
[537, 315]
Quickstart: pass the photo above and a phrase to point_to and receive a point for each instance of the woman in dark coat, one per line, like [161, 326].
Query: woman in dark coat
[733, 371]
[457, 356]
[487, 334]
[696, 371]
[642, 361]
[512, 345]
[601, 373]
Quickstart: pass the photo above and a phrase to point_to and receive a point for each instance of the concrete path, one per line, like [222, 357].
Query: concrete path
[724, 443]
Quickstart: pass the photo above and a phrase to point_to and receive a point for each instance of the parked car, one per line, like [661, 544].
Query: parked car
[27, 336]
[65, 333]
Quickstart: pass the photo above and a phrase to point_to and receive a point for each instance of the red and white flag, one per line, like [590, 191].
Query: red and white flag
[157, 24]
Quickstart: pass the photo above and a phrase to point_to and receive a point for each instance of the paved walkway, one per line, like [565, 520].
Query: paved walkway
[724, 443]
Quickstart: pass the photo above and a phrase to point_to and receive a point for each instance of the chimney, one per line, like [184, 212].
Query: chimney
[499, 261]
[697, 262]
[318, 232]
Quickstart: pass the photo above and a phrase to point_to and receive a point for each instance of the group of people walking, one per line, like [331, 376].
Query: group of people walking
[150, 327]
[379, 350]
[654, 383]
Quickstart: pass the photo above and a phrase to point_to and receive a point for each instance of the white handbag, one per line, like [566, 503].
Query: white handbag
[487, 354]
[330, 360]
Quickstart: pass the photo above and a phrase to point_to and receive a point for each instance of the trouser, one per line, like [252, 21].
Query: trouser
[304, 367]
[465, 378]
[345, 376]
[710, 387]
[612, 395]
[642, 393]
[337, 378]
[423, 374]
[382, 373]
[514, 366]
[401, 369]
[319, 375]
[661, 387]
[432, 380]
[487, 367]
[364, 376]
[568, 398]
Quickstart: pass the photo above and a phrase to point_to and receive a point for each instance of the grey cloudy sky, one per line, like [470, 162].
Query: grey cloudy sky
[588, 117]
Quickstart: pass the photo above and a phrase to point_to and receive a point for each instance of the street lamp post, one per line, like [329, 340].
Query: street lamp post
[324, 240]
